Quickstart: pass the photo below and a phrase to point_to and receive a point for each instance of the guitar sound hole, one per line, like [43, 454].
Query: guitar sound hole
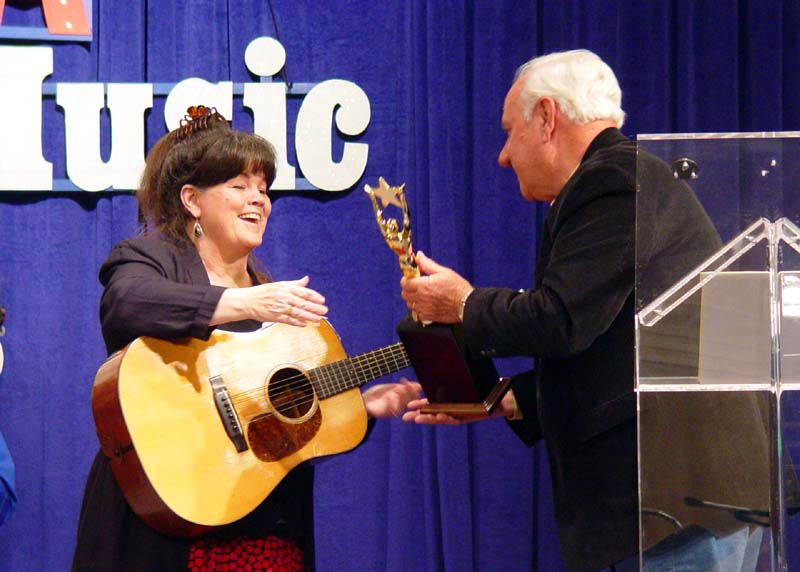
[290, 393]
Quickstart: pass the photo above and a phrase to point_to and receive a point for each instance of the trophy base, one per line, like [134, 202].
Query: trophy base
[453, 382]
[462, 411]
[472, 411]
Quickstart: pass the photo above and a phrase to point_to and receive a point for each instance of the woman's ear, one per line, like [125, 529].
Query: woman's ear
[189, 196]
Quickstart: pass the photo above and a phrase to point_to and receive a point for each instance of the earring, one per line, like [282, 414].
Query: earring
[198, 230]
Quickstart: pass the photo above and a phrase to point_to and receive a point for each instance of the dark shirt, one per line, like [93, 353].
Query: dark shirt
[153, 288]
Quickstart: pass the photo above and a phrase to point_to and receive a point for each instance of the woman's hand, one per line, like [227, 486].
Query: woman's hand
[289, 302]
[390, 399]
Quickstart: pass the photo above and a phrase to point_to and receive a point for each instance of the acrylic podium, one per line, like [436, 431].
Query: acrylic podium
[718, 359]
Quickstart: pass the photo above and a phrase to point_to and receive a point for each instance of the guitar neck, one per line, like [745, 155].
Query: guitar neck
[334, 378]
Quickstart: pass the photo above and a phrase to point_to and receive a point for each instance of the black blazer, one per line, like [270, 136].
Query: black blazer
[578, 322]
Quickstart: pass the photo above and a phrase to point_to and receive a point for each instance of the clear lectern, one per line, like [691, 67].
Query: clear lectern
[718, 361]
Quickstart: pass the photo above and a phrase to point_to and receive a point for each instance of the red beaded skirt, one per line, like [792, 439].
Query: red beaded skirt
[243, 554]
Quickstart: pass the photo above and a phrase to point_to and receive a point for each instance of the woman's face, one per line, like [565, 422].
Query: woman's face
[234, 214]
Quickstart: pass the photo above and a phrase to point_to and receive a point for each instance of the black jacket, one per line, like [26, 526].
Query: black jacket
[578, 322]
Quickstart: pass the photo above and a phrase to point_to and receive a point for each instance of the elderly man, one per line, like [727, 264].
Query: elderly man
[562, 117]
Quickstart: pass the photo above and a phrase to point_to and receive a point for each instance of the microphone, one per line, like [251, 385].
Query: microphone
[741, 513]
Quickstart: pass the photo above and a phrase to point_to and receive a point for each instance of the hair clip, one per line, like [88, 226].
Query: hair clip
[197, 118]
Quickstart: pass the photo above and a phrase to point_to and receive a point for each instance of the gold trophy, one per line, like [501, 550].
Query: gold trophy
[398, 239]
[453, 382]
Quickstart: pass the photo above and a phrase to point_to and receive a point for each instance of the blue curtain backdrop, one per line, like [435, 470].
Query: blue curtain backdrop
[409, 499]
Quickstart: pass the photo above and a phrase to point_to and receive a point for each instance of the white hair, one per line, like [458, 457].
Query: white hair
[582, 85]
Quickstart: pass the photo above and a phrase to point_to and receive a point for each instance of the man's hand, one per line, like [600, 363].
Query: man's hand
[414, 415]
[506, 408]
[436, 295]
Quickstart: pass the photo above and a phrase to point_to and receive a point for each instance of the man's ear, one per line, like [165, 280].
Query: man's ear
[189, 195]
[547, 116]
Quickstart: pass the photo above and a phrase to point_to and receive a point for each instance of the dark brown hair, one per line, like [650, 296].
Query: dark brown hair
[196, 154]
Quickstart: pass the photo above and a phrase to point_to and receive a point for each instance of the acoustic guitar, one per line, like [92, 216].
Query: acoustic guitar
[199, 433]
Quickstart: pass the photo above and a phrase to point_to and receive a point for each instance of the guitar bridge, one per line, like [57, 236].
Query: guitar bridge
[230, 420]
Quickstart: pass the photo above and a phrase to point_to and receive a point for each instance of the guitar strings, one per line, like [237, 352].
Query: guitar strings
[327, 381]
[298, 381]
[393, 356]
[286, 397]
[369, 360]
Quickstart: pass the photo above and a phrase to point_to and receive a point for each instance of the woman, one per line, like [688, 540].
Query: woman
[204, 195]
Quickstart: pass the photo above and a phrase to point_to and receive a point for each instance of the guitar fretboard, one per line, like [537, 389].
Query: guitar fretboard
[334, 378]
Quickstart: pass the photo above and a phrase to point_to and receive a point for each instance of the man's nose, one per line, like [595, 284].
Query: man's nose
[503, 159]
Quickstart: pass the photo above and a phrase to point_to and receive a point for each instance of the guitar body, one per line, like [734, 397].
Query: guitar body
[159, 409]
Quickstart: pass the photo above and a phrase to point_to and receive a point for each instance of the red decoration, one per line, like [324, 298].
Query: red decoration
[242, 554]
[197, 111]
[64, 17]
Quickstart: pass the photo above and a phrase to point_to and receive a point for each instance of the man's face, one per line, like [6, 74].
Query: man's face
[526, 149]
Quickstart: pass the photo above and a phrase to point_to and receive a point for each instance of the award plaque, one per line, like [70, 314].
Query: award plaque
[454, 383]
